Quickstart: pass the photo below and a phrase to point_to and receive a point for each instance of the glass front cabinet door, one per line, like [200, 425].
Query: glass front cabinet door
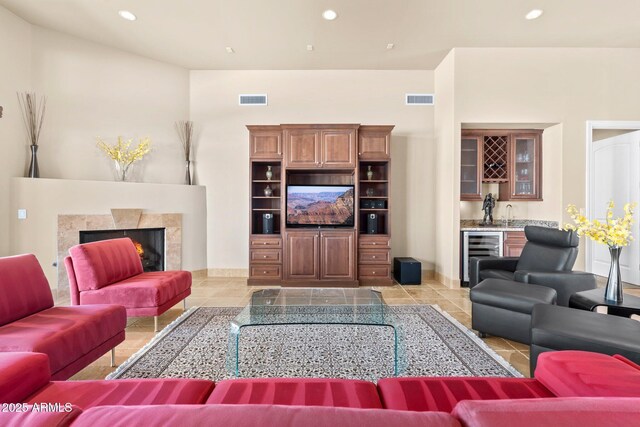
[525, 174]
[470, 170]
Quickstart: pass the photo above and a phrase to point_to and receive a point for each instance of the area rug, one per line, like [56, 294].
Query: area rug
[433, 344]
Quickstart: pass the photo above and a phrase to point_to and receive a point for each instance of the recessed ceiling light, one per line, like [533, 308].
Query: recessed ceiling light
[329, 15]
[229, 49]
[390, 46]
[125, 14]
[534, 14]
[309, 47]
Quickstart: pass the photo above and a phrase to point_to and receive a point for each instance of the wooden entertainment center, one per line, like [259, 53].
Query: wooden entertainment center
[319, 154]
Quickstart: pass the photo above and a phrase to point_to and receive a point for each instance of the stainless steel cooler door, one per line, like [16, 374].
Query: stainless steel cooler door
[480, 244]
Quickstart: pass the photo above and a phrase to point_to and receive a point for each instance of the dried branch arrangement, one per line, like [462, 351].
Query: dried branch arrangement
[33, 110]
[185, 131]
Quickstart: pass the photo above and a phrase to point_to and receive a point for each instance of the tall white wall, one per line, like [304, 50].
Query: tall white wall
[15, 70]
[327, 96]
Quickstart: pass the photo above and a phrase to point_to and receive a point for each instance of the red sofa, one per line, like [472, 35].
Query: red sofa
[582, 389]
[110, 272]
[72, 337]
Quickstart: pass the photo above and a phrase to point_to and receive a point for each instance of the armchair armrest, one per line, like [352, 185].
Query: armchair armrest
[565, 283]
[489, 263]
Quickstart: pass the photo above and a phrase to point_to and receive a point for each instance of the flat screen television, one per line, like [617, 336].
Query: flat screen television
[320, 205]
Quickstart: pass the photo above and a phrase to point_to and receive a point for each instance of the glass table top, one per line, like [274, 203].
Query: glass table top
[346, 306]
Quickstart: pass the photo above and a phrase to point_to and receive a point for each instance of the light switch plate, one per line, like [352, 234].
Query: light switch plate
[22, 214]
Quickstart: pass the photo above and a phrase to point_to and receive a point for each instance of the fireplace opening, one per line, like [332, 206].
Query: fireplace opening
[149, 243]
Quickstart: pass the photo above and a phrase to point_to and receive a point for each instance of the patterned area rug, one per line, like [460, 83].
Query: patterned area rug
[433, 344]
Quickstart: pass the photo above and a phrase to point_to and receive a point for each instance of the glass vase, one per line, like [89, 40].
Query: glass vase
[613, 291]
[121, 171]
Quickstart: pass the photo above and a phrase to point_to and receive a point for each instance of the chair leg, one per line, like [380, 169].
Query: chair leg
[113, 357]
[155, 323]
[184, 304]
[482, 334]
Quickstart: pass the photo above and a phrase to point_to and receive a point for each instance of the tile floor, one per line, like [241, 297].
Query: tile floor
[233, 292]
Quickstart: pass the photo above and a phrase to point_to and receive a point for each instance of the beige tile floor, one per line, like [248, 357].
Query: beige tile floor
[233, 292]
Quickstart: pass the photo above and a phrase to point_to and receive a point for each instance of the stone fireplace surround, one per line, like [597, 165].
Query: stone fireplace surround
[69, 227]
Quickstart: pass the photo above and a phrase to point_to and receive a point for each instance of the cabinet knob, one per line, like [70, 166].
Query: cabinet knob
[264, 243]
[264, 256]
[374, 243]
[374, 272]
[264, 272]
[359, 154]
[374, 257]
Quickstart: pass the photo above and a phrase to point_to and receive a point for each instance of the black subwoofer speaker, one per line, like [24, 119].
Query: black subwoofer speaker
[372, 223]
[267, 223]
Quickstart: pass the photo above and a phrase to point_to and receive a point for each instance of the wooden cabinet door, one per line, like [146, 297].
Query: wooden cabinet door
[265, 144]
[471, 167]
[302, 255]
[374, 144]
[338, 148]
[302, 148]
[514, 242]
[525, 177]
[337, 253]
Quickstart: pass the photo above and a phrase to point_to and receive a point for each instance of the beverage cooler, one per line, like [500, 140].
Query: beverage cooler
[479, 244]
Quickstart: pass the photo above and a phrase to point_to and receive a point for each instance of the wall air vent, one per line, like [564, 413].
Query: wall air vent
[419, 99]
[253, 99]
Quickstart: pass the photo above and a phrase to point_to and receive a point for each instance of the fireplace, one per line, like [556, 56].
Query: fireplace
[149, 243]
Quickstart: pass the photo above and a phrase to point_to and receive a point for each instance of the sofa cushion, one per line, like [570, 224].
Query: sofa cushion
[442, 394]
[510, 295]
[143, 290]
[562, 411]
[36, 417]
[87, 394]
[297, 391]
[64, 333]
[257, 415]
[581, 373]
[22, 374]
[24, 289]
[102, 263]
[496, 274]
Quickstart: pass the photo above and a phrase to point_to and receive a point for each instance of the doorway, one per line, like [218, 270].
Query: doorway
[613, 173]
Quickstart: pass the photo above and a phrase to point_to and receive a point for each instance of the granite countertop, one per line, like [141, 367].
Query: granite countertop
[514, 225]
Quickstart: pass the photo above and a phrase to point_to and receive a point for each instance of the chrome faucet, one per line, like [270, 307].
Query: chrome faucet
[509, 207]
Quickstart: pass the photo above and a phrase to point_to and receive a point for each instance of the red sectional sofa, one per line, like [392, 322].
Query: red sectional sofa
[604, 383]
[72, 337]
[110, 272]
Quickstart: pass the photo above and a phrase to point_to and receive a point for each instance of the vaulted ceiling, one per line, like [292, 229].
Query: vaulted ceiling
[274, 34]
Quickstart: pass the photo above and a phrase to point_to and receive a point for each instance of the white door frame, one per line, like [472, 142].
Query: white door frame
[591, 126]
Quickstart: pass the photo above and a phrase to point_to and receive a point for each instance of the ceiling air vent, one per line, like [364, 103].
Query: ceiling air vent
[419, 99]
[254, 99]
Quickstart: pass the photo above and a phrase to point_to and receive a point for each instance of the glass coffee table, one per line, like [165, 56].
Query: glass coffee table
[307, 306]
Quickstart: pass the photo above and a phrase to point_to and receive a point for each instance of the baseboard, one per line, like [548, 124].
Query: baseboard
[447, 281]
[200, 274]
[228, 272]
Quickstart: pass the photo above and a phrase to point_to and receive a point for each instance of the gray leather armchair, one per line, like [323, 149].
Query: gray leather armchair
[547, 260]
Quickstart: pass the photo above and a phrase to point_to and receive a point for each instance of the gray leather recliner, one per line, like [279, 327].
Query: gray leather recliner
[547, 260]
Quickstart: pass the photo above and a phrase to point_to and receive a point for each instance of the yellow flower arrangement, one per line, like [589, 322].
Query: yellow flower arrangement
[614, 233]
[123, 155]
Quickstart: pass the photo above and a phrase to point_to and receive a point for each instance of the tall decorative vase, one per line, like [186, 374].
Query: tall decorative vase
[369, 173]
[187, 177]
[269, 173]
[613, 291]
[34, 171]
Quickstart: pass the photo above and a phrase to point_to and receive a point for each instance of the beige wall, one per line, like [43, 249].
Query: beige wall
[96, 91]
[367, 97]
[45, 199]
[446, 181]
[15, 60]
[545, 85]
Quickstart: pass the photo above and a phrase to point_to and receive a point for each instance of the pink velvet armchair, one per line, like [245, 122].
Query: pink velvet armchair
[110, 271]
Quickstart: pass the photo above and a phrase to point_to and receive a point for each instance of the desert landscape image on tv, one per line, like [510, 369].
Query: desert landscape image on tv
[319, 205]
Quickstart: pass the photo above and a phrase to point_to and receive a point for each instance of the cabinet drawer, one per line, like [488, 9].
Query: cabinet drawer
[374, 271]
[374, 256]
[266, 242]
[371, 241]
[266, 271]
[267, 256]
